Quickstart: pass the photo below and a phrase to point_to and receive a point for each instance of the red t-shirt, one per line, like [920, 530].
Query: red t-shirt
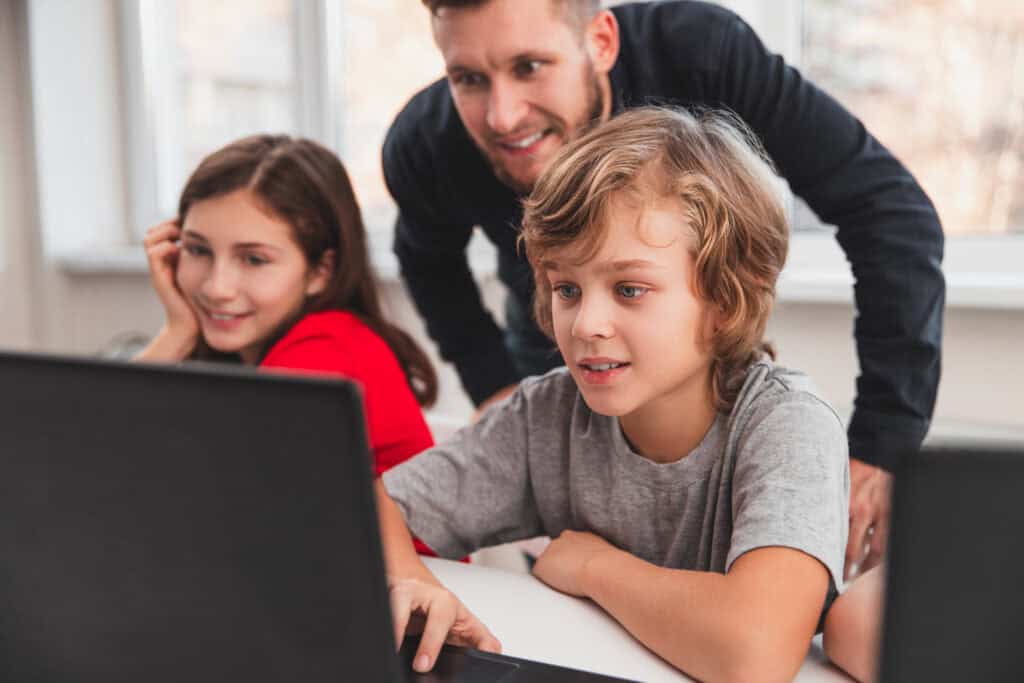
[338, 343]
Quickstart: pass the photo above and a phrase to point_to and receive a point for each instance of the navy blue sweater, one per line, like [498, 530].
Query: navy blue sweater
[693, 54]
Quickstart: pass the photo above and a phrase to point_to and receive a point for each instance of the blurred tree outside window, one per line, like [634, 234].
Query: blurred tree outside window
[941, 84]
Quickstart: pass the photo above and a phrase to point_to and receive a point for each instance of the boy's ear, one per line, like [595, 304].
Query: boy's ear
[321, 274]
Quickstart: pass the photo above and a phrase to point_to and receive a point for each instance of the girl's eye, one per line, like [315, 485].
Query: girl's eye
[567, 292]
[196, 250]
[631, 291]
[254, 260]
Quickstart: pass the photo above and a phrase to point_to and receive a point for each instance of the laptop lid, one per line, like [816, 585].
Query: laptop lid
[955, 596]
[171, 524]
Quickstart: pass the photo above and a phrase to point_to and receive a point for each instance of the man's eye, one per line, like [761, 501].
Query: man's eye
[468, 80]
[527, 68]
[567, 291]
[632, 291]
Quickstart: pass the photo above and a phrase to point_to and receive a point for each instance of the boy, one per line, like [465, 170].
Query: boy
[695, 490]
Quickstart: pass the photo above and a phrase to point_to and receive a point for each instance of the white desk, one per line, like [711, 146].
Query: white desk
[535, 622]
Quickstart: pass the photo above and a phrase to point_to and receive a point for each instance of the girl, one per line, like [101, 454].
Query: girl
[266, 265]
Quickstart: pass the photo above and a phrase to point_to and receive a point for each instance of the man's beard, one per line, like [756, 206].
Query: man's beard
[591, 118]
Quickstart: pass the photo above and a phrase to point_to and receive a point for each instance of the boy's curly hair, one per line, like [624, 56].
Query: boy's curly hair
[732, 205]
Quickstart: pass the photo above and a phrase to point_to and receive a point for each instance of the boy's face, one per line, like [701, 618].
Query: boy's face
[523, 80]
[627, 321]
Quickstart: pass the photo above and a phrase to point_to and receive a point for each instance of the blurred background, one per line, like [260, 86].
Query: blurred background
[106, 105]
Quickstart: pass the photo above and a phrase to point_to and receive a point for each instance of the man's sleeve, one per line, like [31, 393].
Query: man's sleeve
[431, 251]
[887, 227]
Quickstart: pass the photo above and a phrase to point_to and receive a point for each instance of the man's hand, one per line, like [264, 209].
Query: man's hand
[563, 562]
[430, 609]
[870, 503]
[496, 397]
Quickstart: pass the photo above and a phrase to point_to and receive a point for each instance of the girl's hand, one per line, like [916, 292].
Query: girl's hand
[181, 331]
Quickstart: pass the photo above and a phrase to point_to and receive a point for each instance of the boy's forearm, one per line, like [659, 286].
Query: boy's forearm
[701, 622]
[400, 557]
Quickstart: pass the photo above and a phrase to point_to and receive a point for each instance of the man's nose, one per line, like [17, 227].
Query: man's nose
[506, 108]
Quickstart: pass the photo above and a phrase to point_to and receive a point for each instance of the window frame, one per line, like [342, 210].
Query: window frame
[317, 35]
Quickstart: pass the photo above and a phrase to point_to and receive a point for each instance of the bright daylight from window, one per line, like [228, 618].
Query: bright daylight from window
[941, 83]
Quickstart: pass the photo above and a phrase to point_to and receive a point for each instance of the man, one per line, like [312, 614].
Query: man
[525, 76]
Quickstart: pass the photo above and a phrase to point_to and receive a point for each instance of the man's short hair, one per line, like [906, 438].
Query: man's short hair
[730, 203]
[579, 12]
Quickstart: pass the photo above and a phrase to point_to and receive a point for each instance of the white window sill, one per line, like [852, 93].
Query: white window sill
[981, 273]
[815, 273]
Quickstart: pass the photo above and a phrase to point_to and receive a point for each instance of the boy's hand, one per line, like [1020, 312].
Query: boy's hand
[440, 616]
[564, 561]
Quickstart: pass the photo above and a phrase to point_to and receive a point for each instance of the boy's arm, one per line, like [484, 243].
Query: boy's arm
[754, 623]
[416, 594]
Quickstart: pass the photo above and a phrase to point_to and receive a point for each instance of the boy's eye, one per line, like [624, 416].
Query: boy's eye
[196, 250]
[567, 291]
[526, 68]
[631, 291]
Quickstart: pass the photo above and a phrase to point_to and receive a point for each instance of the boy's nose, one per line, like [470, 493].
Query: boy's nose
[593, 320]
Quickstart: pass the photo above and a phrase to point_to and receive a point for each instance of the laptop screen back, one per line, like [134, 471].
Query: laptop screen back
[162, 524]
[955, 598]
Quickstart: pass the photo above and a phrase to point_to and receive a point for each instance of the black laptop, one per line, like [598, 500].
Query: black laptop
[955, 585]
[177, 524]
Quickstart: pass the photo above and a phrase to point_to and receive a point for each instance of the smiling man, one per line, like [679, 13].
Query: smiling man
[526, 76]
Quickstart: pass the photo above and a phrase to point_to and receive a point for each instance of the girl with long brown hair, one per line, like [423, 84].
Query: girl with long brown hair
[266, 265]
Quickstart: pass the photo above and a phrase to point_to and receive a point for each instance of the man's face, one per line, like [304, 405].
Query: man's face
[522, 81]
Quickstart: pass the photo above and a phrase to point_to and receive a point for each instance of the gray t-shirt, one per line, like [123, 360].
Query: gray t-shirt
[774, 472]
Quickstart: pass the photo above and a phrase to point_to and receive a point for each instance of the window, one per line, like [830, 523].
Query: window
[941, 83]
[210, 72]
[200, 74]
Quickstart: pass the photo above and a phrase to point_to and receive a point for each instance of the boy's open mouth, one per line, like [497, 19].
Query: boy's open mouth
[602, 367]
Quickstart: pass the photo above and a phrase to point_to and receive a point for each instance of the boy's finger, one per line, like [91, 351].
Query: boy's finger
[440, 617]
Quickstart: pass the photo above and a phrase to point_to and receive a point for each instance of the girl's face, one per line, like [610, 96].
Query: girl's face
[628, 322]
[242, 273]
